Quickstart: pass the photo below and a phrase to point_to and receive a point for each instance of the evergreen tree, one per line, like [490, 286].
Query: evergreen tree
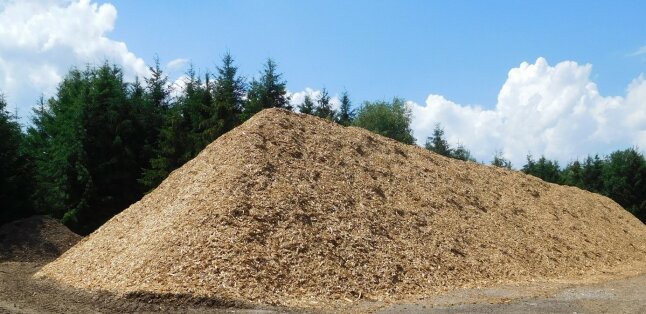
[390, 119]
[572, 174]
[270, 91]
[437, 143]
[462, 153]
[591, 174]
[324, 107]
[87, 146]
[500, 161]
[15, 174]
[545, 169]
[346, 114]
[228, 92]
[180, 137]
[307, 106]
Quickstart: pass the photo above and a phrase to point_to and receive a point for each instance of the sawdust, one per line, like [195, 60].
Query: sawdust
[294, 210]
[35, 239]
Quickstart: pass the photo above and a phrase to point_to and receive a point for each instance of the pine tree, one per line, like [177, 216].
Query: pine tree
[346, 114]
[500, 161]
[437, 143]
[545, 169]
[228, 92]
[269, 91]
[15, 174]
[462, 153]
[307, 106]
[324, 107]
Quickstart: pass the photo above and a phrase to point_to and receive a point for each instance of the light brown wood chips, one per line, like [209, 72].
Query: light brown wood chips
[295, 210]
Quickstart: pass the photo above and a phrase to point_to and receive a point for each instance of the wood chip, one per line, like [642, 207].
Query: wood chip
[294, 210]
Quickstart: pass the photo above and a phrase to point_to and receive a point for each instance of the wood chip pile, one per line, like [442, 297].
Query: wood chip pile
[294, 210]
[35, 239]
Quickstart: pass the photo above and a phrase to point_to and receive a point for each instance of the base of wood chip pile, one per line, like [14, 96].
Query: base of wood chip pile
[294, 210]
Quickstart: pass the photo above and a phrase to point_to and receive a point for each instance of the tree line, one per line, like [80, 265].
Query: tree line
[100, 143]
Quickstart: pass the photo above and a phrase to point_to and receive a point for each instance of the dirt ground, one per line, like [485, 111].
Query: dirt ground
[19, 293]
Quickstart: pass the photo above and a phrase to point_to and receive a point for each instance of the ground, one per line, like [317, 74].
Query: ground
[21, 294]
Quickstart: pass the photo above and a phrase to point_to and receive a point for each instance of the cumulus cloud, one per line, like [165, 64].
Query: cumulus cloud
[41, 40]
[542, 109]
[638, 52]
[297, 98]
[177, 64]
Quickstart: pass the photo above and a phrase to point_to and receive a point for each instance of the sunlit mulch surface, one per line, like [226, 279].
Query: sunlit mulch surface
[293, 210]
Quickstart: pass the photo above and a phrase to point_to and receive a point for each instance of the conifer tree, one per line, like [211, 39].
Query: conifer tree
[307, 106]
[228, 92]
[437, 143]
[269, 91]
[500, 161]
[15, 174]
[323, 106]
[346, 114]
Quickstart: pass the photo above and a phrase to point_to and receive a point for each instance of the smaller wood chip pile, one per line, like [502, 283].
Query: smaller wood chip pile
[291, 209]
[35, 239]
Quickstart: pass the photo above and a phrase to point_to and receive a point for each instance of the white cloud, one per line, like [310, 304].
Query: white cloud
[552, 110]
[179, 85]
[176, 64]
[297, 98]
[41, 40]
[640, 51]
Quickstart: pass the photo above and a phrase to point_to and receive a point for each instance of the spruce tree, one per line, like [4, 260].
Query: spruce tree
[323, 106]
[269, 91]
[346, 114]
[437, 143]
[307, 106]
[15, 174]
[228, 92]
[500, 161]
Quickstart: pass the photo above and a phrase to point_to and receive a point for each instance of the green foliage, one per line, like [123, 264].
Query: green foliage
[462, 153]
[437, 142]
[621, 176]
[88, 145]
[390, 119]
[100, 143]
[270, 91]
[307, 106]
[182, 134]
[624, 178]
[500, 161]
[545, 169]
[346, 114]
[324, 107]
[15, 173]
[224, 111]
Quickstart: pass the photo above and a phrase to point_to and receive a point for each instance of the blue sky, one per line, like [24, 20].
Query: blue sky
[379, 49]
[559, 78]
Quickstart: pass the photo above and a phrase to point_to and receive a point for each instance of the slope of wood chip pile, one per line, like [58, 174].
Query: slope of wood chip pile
[294, 210]
[35, 239]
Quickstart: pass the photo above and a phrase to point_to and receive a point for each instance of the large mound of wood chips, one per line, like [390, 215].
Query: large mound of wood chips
[294, 210]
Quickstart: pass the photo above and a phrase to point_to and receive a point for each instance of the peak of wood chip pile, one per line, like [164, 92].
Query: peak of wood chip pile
[294, 210]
